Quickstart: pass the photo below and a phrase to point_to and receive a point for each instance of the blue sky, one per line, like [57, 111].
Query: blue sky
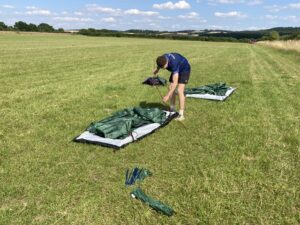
[154, 14]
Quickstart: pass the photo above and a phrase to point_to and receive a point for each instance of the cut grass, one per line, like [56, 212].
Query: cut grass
[237, 163]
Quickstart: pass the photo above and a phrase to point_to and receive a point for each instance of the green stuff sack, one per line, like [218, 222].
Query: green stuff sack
[136, 174]
[155, 81]
[155, 204]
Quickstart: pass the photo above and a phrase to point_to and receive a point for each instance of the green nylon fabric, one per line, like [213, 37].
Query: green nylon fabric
[122, 123]
[155, 204]
[144, 173]
[219, 89]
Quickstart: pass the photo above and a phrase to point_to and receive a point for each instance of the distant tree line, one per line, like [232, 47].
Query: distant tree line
[271, 34]
[22, 26]
[279, 33]
[206, 35]
[154, 35]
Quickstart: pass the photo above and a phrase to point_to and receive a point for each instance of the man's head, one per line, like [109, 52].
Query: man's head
[162, 62]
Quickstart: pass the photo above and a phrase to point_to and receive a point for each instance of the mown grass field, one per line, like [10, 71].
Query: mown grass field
[236, 163]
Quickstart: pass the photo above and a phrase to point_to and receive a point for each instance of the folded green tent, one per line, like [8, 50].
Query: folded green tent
[217, 91]
[125, 126]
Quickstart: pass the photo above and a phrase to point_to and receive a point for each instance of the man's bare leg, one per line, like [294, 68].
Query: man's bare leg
[181, 99]
[172, 101]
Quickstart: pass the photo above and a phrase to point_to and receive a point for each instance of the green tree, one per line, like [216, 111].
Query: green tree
[44, 27]
[3, 26]
[296, 36]
[21, 26]
[32, 27]
[274, 35]
[60, 30]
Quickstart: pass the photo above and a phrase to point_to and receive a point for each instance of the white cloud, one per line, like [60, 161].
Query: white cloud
[233, 14]
[248, 2]
[109, 20]
[270, 17]
[229, 1]
[191, 16]
[100, 9]
[277, 8]
[35, 11]
[164, 17]
[86, 20]
[8, 6]
[175, 26]
[255, 2]
[154, 25]
[78, 13]
[217, 27]
[146, 21]
[38, 12]
[295, 5]
[31, 7]
[291, 18]
[274, 8]
[253, 28]
[73, 19]
[294, 19]
[142, 13]
[170, 5]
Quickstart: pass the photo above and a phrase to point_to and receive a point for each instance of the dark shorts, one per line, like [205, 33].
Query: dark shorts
[183, 77]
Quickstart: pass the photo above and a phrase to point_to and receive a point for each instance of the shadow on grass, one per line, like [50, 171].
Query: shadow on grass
[145, 104]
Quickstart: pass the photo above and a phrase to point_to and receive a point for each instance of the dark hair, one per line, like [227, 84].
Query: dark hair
[161, 61]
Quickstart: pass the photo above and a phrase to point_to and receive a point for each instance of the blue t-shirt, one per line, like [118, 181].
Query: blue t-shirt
[177, 63]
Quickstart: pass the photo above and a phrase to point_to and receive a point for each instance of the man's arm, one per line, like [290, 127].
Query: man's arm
[156, 71]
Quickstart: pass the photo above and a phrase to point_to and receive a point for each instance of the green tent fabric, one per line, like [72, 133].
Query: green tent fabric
[123, 122]
[219, 89]
[155, 204]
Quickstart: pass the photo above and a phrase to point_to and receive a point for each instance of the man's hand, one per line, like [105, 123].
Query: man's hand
[155, 71]
[166, 98]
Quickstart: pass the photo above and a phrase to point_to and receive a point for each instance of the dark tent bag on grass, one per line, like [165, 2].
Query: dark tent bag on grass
[217, 91]
[155, 81]
[125, 126]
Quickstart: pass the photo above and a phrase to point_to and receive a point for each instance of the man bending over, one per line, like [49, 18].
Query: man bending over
[180, 73]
